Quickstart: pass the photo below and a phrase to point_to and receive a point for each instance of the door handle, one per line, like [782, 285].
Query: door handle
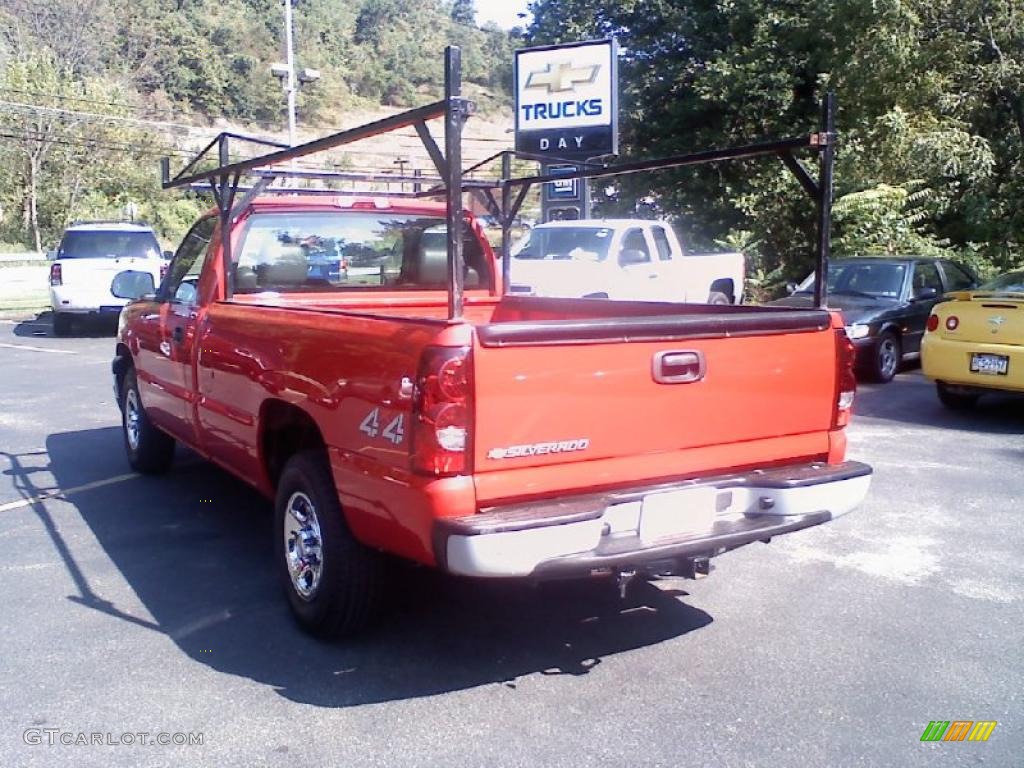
[178, 335]
[679, 367]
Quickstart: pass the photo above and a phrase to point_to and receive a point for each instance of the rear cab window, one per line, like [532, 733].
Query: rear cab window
[634, 248]
[350, 251]
[110, 244]
[662, 244]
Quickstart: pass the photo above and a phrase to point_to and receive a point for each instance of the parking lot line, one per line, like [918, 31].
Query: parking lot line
[30, 348]
[65, 493]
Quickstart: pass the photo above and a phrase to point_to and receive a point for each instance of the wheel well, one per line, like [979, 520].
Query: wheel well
[725, 285]
[122, 364]
[285, 429]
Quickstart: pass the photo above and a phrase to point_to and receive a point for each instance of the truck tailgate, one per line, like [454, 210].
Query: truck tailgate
[557, 392]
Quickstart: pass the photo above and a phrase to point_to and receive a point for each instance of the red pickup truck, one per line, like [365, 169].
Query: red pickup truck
[532, 438]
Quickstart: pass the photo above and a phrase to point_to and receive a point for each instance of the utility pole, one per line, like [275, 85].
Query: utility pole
[401, 162]
[289, 54]
[290, 79]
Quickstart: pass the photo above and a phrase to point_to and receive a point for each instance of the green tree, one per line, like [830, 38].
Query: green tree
[928, 91]
[464, 12]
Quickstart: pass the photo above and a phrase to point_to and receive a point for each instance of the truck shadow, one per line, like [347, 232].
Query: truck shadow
[196, 548]
[86, 327]
[910, 399]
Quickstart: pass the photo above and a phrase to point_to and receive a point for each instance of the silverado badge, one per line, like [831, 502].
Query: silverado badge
[539, 449]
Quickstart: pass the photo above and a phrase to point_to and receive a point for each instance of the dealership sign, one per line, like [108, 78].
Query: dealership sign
[567, 100]
[562, 190]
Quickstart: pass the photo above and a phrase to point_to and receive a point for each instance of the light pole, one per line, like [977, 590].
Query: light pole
[290, 80]
[401, 162]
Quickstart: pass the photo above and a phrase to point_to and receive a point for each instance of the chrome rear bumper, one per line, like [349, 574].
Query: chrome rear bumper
[613, 530]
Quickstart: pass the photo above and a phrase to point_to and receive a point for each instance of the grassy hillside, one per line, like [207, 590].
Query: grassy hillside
[93, 93]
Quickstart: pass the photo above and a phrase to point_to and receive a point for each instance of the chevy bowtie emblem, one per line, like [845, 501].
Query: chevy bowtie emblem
[562, 76]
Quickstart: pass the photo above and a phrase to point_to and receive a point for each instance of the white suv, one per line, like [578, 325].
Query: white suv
[89, 257]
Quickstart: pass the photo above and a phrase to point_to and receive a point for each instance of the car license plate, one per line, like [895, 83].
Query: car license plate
[993, 365]
[675, 513]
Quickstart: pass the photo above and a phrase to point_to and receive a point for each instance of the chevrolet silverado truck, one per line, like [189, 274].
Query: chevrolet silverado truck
[532, 438]
[636, 259]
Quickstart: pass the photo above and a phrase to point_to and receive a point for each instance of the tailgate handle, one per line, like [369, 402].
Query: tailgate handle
[679, 367]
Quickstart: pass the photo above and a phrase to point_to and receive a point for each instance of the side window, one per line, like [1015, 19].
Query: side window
[662, 244]
[182, 282]
[956, 278]
[926, 275]
[634, 249]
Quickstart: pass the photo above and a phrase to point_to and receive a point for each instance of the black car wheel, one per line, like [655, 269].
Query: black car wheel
[887, 358]
[335, 585]
[149, 450]
[955, 401]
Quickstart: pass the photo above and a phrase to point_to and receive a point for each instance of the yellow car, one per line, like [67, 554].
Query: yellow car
[974, 343]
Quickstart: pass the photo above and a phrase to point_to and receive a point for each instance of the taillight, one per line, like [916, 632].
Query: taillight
[952, 323]
[933, 323]
[56, 276]
[846, 380]
[442, 410]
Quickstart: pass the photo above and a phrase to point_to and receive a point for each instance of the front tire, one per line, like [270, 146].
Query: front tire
[334, 584]
[955, 401]
[149, 450]
[887, 358]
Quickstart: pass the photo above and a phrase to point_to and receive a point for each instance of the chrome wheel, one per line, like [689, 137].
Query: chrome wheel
[132, 410]
[303, 545]
[888, 358]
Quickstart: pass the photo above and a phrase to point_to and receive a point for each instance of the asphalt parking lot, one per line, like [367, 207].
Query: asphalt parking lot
[147, 605]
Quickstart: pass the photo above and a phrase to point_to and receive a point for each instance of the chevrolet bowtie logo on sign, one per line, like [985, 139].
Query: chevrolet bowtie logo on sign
[562, 76]
[566, 100]
[958, 730]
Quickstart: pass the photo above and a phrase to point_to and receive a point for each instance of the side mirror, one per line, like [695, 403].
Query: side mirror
[168, 255]
[631, 256]
[791, 288]
[132, 285]
[926, 293]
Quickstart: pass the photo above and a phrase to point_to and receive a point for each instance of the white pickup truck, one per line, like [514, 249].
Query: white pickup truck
[90, 256]
[636, 259]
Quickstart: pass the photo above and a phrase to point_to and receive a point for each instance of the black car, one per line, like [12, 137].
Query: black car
[885, 301]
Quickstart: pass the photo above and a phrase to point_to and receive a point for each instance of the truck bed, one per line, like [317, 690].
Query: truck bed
[545, 371]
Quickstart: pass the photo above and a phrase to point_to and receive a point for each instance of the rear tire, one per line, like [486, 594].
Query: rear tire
[335, 585]
[955, 401]
[61, 324]
[149, 450]
[887, 357]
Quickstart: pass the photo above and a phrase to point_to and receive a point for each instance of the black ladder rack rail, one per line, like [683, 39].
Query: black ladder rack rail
[450, 182]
